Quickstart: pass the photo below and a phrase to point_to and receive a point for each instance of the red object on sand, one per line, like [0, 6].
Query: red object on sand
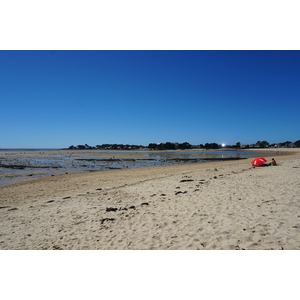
[258, 161]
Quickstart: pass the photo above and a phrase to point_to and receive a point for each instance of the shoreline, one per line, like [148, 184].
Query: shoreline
[225, 205]
[17, 165]
[179, 168]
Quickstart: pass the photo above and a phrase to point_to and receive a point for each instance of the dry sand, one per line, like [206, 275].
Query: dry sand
[217, 205]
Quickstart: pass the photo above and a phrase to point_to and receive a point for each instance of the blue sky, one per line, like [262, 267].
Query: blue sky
[54, 99]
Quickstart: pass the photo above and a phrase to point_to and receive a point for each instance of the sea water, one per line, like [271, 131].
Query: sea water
[18, 166]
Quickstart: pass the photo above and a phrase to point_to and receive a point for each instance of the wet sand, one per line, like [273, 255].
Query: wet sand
[75, 153]
[216, 205]
[20, 165]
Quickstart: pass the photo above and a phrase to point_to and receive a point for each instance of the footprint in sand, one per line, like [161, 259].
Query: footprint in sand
[107, 219]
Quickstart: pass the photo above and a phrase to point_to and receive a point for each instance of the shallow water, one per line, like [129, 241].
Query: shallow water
[16, 168]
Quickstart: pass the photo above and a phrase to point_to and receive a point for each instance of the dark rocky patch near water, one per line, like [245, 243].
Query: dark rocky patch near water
[113, 159]
[21, 167]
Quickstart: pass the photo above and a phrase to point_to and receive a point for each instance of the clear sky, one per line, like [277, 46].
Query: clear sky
[54, 99]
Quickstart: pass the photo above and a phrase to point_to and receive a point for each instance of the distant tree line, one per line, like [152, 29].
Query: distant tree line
[265, 144]
[186, 145]
[169, 146]
[107, 147]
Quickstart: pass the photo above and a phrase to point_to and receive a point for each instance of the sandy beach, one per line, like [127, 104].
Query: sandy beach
[217, 205]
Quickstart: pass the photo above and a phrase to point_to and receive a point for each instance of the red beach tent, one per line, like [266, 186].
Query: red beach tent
[258, 161]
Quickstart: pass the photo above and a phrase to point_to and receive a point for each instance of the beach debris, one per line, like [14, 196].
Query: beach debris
[50, 201]
[145, 203]
[56, 248]
[107, 219]
[4, 207]
[180, 192]
[67, 197]
[99, 189]
[163, 195]
[186, 180]
[132, 207]
[111, 209]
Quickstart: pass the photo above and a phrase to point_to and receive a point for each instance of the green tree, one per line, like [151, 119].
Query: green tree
[286, 143]
[152, 146]
[169, 146]
[211, 146]
[297, 143]
[184, 146]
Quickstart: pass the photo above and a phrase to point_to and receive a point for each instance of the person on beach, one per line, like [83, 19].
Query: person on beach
[273, 163]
